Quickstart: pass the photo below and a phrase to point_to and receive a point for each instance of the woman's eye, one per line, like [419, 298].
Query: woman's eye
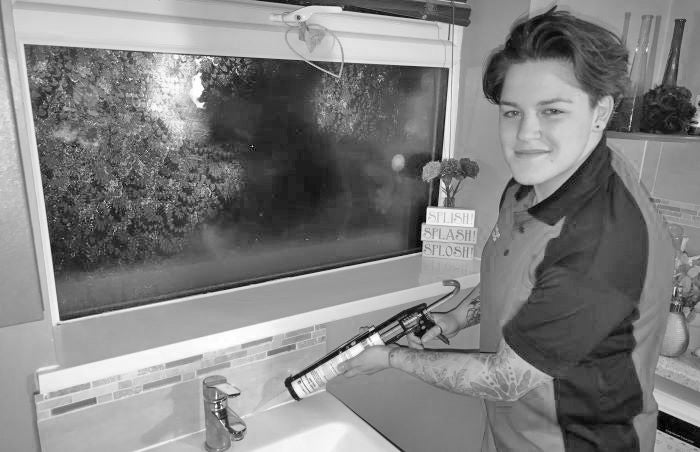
[511, 114]
[552, 112]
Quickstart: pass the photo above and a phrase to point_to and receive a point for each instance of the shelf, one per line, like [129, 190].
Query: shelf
[639, 136]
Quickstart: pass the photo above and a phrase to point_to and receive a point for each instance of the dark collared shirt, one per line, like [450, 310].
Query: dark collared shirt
[578, 286]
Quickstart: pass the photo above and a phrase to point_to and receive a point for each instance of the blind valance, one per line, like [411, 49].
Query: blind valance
[452, 12]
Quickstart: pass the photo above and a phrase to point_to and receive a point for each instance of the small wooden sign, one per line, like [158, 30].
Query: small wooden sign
[448, 216]
[448, 250]
[455, 234]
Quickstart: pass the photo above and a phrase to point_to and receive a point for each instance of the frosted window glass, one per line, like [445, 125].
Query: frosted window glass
[171, 175]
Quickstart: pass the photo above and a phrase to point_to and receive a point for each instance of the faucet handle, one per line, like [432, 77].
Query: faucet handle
[228, 389]
[217, 387]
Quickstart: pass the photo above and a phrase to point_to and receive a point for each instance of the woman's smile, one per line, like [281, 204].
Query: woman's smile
[530, 153]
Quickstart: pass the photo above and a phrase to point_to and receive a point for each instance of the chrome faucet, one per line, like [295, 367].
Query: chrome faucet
[223, 425]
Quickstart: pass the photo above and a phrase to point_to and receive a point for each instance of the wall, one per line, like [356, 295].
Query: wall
[27, 346]
[675, 185]
[669, 170]
[612, 14]
[477, 130]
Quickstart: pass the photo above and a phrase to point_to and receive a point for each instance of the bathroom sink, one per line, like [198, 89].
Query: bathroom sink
[320, 423]
[328, 437]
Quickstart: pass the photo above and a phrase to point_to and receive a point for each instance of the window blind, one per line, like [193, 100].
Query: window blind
[452, 12]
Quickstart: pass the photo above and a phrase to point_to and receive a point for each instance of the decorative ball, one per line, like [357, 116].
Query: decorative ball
[398, 162]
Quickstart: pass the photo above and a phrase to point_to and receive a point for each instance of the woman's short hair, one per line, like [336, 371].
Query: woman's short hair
[598, 56]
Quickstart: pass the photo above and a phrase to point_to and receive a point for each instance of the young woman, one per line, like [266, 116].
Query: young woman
[587, 260]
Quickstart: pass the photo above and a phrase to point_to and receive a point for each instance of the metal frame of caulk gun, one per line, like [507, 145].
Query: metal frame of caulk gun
[416, 319]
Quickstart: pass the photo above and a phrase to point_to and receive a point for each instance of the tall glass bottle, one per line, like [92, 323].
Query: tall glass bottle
[625, 28]
[674, 54]
[628, 112]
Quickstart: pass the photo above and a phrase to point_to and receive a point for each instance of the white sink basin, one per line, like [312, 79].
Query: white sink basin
[320, 423]
[330, 437]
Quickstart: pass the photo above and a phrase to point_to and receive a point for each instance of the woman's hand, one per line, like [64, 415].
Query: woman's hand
[371, 360]
[446, 324]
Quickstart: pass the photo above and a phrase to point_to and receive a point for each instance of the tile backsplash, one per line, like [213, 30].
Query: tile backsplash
[137, 409]
[686, 215]
[669, 170]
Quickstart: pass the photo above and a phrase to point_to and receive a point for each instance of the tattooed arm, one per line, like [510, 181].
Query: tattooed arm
[467, 313]
[473, 315]
[502, 376]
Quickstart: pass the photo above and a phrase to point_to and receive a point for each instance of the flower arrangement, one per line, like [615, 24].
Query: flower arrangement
[686, 278]
[667, 109]
[451, 173]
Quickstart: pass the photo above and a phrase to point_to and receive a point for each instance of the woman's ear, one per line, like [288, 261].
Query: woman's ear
[603, 111]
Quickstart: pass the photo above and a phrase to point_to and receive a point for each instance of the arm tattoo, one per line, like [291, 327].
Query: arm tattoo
[503, 376]
[473, 316]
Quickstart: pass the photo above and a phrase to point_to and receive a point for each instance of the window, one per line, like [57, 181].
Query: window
[172, 169]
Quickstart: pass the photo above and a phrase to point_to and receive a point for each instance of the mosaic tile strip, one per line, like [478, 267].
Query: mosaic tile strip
[286, 348]
[258, 342]
[683, 205]
[182, 362]
[210, 369]
[682, 213]
[162, 382]
[294, 339]
[74, 406]
[299, 332]
[130, 384]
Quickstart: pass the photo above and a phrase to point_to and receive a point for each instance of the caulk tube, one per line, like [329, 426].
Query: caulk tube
[315, 377]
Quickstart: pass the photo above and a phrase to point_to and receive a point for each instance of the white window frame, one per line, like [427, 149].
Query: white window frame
[212, 27]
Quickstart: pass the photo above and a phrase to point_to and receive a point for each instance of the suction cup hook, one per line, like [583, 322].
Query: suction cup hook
[303, 14]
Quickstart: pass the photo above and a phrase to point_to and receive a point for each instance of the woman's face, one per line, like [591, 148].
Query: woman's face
[547, 125]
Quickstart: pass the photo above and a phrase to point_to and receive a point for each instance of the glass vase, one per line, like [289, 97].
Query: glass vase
[627, 115]
[674, 54]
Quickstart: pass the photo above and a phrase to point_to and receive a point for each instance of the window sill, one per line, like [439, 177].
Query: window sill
[139, 338]
[638, 136]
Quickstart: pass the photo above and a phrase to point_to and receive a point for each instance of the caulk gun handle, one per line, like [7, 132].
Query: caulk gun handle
[426, 322]
[440, 336]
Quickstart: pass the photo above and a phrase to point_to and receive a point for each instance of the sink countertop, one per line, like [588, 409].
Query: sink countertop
[320, 422]
[684, 370]
[677, 388]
